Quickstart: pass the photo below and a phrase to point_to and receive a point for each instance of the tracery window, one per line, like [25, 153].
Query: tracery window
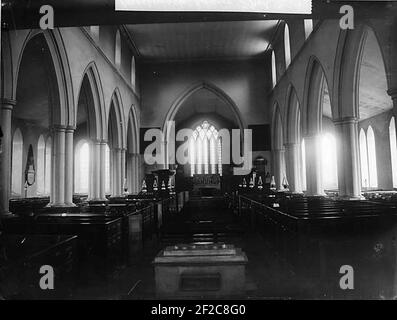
[205, 150]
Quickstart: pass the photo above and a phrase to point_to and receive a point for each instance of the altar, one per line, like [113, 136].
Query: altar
[206, 184]
[206, 271]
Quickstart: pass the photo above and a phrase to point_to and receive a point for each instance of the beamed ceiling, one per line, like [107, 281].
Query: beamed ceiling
[202, 40]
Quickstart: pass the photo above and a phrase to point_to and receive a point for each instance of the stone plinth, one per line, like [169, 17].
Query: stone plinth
[208, 271]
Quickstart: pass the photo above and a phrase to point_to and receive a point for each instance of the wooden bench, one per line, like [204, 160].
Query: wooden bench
[316, 236]
[24, 255]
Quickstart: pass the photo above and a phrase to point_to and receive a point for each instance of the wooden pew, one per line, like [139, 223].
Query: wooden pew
[99, 237]
[22, 257]
[316, 236]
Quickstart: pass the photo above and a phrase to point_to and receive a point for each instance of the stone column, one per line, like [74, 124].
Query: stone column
[95, 170]
[122, 169]
[293, 160]
[134, 173]
[116, 177]
[5, 156]
[69, 172]
[349, 181]
[278, 161]
[314, 182]
[57, 197]
[102, 168]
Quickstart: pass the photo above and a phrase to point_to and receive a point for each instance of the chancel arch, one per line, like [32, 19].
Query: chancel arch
[204, 99]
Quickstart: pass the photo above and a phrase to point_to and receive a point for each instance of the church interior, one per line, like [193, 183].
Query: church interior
[83, 102]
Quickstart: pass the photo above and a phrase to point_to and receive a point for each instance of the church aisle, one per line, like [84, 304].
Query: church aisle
[267, 277]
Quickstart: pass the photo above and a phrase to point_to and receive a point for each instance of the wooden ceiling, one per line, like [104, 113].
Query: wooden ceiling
[202, 40]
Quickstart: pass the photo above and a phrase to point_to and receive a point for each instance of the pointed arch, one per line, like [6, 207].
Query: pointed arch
[315, 84]
[133, 131]
[96, 106]
[65, 114]
[293, 115]
[277, 128]
[214, 89]
[346, 79]
[115, 122]
[363, 159]
[186, 94]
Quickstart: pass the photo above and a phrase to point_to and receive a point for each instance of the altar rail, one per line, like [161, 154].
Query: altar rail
[316, 236]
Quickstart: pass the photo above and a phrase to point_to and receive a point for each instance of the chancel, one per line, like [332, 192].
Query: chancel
[279, 169]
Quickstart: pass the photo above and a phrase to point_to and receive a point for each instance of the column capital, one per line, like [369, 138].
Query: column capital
[96, 141]
[8, 104]
[346, 120]
[392, 93]
[291, 144]
[59, 127]
[70, 129]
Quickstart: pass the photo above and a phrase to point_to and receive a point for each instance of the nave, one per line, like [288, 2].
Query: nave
[292, 249]
[147, 155]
